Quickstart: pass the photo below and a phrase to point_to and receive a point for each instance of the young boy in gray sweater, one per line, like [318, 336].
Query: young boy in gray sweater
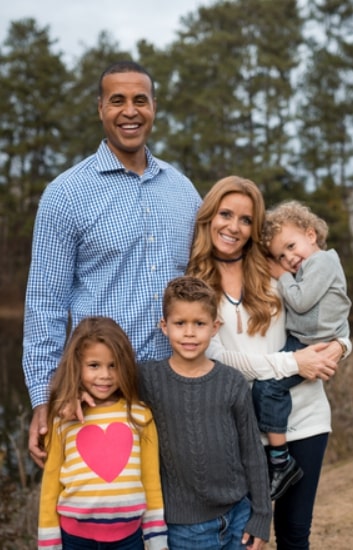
[213, 465]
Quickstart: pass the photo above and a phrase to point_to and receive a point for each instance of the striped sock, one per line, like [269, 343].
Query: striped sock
[279, 456]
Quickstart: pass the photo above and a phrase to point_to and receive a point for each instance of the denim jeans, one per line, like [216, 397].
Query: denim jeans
[272, 400]
[133, 542]
[222, 533]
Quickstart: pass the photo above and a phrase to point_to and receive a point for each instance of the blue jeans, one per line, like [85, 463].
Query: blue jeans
[223, 533]
[133, 542]
[272, 400]
[293, 512]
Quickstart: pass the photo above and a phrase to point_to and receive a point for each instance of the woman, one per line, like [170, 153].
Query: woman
[226, 253]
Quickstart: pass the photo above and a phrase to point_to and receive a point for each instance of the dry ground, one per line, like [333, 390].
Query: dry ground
[332, 527]
[333, 516]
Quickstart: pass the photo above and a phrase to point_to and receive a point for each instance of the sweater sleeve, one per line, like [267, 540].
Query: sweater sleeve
[254, 365]
[317, 274]
[49, 534]
[255, 465]
[153, 524]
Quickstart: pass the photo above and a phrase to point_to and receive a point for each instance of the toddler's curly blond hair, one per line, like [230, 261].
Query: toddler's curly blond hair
[292, 213]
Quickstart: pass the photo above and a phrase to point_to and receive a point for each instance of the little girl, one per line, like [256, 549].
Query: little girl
[101, 479]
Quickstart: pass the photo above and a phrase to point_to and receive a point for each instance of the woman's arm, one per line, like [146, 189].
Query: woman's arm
[311, 362]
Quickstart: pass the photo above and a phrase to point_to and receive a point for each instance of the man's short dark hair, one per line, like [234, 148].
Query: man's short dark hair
[124, 67]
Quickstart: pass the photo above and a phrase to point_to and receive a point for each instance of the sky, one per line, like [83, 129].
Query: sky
[76, 23]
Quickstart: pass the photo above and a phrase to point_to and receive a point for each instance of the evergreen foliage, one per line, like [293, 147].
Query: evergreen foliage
[259, 88]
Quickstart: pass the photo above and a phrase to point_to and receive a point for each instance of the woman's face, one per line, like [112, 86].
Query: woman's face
[231, 225]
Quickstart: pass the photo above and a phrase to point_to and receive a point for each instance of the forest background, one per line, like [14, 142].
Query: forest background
[258, 88]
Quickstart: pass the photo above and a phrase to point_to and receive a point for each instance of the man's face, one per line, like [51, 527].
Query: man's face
[127, 110]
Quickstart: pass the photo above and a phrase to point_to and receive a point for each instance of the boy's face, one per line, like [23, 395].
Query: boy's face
[293, 245]
[189, 327]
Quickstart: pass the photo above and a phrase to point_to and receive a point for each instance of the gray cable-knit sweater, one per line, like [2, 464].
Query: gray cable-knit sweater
[210, 447]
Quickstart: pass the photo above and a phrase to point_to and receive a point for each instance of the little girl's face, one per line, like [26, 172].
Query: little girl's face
[292, 246]
[99, 373]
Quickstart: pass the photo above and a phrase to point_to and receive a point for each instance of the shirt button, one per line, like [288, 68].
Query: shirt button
[151, 239]
[155, 296]
[153, 268]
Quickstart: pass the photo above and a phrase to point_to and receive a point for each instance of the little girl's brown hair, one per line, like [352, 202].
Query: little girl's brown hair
[66, 386]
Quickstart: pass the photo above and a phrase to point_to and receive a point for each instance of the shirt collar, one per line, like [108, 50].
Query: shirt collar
[108, 162]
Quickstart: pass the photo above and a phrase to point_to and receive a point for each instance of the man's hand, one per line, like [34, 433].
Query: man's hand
[39, 427]
[37, 430]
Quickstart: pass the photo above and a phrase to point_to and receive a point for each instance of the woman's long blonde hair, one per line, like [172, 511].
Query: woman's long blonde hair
[259, 299]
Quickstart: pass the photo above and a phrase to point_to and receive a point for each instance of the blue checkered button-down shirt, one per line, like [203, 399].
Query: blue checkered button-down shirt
[106, 242]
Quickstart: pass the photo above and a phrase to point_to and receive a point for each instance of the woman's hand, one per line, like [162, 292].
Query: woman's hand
[318, 360]
[332, 351]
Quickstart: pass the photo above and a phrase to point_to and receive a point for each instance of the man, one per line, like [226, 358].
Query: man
[109, 234]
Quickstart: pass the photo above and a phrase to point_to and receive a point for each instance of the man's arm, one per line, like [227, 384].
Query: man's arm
[46, 309]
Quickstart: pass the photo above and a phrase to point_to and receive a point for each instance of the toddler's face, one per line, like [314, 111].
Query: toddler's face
[293, 245]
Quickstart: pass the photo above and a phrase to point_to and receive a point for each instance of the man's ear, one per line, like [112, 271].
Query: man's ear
[99, 107]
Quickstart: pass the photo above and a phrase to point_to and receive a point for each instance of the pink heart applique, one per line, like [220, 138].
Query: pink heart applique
[105, 452]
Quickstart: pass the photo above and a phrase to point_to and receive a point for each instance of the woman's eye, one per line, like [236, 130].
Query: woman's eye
[224, 213]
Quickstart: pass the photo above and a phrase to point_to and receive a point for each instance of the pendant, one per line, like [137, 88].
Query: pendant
[239, 321]
[236, 303]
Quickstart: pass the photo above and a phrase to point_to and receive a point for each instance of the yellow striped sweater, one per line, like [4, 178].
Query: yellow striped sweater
[101, 480]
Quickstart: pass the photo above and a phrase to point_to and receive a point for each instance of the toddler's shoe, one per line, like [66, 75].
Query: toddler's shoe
[282, 479]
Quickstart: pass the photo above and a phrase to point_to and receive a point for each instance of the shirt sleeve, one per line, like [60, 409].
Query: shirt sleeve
[48, 293]
[49, 534]
[253, 365]
[317, 275]
[348, 344]
[153, 524]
